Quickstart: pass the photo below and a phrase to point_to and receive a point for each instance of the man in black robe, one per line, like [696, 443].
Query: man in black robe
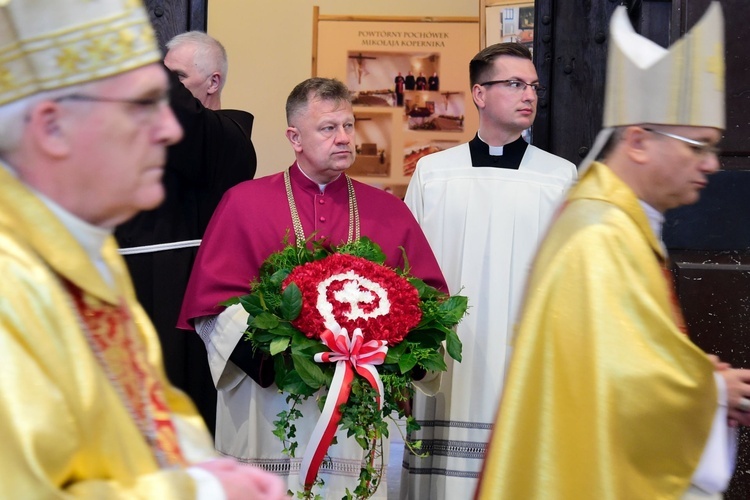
[409, 81]
[215, 154]
[433, 82]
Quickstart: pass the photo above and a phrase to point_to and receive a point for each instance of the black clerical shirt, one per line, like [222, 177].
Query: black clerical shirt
[511, 157]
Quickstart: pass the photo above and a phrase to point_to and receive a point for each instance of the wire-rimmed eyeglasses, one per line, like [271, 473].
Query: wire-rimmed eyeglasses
[146, 106]
[518, 86]
[701, 148]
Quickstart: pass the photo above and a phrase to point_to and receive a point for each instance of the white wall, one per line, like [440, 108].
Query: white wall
[270, 51]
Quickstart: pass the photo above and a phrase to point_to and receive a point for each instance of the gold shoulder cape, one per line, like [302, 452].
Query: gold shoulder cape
[65, 431]
[606, 398]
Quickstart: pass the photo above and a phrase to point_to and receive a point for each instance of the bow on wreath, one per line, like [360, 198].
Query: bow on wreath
[350, 355]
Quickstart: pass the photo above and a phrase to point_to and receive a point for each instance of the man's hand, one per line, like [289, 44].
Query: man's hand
[738, 394]
[243, 482]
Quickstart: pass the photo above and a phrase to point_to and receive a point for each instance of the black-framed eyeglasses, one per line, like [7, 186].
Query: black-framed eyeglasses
[518, 86]
[701, 148]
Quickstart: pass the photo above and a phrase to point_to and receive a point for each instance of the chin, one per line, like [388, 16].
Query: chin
[341, 166]
[152, 199]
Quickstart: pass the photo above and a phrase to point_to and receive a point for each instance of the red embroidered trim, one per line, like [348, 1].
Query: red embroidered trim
[121, 354]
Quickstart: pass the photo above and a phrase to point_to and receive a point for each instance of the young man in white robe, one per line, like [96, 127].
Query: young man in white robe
[484, 206]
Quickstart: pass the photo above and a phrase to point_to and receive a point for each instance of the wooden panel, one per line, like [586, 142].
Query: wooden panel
[719, 221]
[714, 290]
[570, 51]
[171, 17]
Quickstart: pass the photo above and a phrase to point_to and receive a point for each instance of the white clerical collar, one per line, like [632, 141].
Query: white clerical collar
[322, 187]
[656, 221]
[494, 150]
[90, 237]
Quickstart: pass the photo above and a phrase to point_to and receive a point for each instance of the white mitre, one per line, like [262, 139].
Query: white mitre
[646, 83]
[50, 44]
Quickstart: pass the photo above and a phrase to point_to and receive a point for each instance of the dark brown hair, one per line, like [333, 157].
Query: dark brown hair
[482, 63]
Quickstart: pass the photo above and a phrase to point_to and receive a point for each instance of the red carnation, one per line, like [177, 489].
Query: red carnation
[353, 292]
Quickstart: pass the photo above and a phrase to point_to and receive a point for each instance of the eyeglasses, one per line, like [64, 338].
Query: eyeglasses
[701, 148]
[518, 86]
[148, 106]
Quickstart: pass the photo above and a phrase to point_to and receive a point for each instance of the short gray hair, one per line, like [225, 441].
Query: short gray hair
[14, 115]
[324, 89]
[210, 54]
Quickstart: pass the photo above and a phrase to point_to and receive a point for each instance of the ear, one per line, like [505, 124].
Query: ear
[214, 83]
[478, 94]
[293, 135]
[48, 130]
[634, 139]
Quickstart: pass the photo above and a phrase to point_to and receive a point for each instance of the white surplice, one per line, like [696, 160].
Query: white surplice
[484, 225]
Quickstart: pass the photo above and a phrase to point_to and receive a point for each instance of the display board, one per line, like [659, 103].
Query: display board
[409, 79]
[507, 21]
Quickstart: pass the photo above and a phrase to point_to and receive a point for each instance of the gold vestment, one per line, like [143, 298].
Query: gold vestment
[606, 398]
[65, 431]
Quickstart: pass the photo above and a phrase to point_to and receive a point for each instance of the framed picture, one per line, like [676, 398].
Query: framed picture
[526, 18]
[405, 89]
[507, 21]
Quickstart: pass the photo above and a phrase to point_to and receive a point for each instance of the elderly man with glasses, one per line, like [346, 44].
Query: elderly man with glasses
[484, 206]
[607, 397]
[86, 410]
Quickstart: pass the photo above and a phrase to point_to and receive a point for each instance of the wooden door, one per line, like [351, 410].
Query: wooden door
[172, 17]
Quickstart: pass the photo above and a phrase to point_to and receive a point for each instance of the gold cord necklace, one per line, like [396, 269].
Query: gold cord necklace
[299, 234]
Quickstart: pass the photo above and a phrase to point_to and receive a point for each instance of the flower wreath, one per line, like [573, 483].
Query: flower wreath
[328, 318]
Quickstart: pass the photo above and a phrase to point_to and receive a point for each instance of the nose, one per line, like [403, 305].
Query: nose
[529, 94]
[711, 163]
[169, 129]
[343, 135]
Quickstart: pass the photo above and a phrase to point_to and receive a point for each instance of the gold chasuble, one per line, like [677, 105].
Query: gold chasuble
[606, 398]
[85, 408]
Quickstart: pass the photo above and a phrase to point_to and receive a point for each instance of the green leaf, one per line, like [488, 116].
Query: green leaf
[293, 384]
[434, 362]
[262, 336]
[252, 304]
[230, 302]
[395, 353]
[265, 321]
[291, 302]
[405, 257]
[308, 370]
[453, 309]
[306, 346]
[285, 329]
[429, 339]
[407, 362]
[280, 368]
[279, 344]
[363, 247]
[453, 345]
[278, 277]
[426, 291]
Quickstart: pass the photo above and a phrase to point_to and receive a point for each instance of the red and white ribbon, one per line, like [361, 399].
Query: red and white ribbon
[350, 355]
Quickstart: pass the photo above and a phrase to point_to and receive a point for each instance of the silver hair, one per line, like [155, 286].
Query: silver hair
[210, 55]
[13, 116]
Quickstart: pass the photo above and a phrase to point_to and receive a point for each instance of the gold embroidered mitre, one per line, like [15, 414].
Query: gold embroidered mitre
[49, 44]
[682, 85]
